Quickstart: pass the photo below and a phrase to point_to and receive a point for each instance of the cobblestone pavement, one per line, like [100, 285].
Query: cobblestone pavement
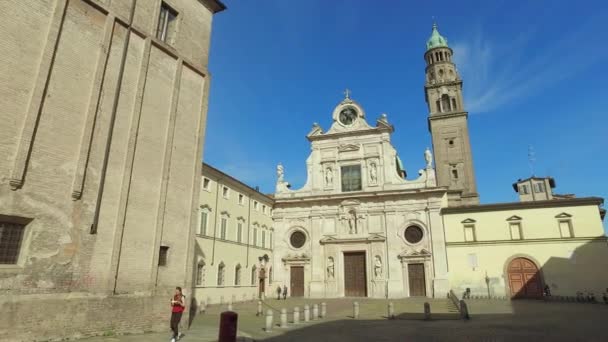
[492, 320]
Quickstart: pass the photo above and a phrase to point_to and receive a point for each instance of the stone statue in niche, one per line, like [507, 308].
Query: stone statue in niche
[373, 173]
[329, 176]
[428, 157]
[352, 222]
[330, 268]
[377, 267]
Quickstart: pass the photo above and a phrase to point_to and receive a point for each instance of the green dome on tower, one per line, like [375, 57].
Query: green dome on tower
[436, 39]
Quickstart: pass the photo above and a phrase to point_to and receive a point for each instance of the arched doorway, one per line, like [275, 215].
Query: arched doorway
[524, 279]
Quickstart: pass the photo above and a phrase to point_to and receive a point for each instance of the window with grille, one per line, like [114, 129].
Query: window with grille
[253, 275]
[237, 275]
[255, 236]
[239, 231]
[167, 23]
[11, 236]
[221, 268]
[351, 178]
[223, 228]
[203, 225]
[162, 256]
[297, 239]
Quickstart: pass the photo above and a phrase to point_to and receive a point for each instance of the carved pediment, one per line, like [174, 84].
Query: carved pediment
[563, 215]
[423, 253]
[469, 220]
[296, 258]
[514, 218]
[348, 147]
[350, 203]
[360, 239]
[316, 130]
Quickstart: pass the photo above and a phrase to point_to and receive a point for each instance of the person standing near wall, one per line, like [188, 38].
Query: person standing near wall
[284, 292]
[178, 305]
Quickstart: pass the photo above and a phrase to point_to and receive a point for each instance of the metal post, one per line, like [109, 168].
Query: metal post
[427, 311]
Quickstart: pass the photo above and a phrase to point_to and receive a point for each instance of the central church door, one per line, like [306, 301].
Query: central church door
[355, 283]
[297, 281]
[524, 279]
[416, 279]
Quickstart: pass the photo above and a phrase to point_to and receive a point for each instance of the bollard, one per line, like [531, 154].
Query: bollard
[323, 310]
[283, 318]
[228, 325]
[259, 312]
[306, 313]
[208, 300]
[253, 296]
[268, 320]
[233, 299]
[391, 311]
[315, 312]
[230, 306]
[221, 300]
[427, 311]
[296, 315]
[464, 310]
[203, 307]
[355, 310]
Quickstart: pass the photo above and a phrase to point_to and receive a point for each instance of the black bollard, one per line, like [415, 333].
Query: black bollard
[228, 325]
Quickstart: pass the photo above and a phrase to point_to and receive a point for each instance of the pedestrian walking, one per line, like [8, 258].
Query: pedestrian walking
[284, 292]
[279, 292]
[178, 304]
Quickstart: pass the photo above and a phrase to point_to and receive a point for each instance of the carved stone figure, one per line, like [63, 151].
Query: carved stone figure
[280, 173]
[373, 173]
[329, 177]
[352, 222]
[330, 268]
[428, 156]
[377, 267]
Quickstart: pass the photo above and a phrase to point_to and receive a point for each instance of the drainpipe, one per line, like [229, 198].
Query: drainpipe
[217, 197]
[248, 227]
[388, 268]
[428, 220]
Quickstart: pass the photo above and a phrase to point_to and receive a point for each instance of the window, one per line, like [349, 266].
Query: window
[167, 23]
[221, 269]
[515, 229]
[451, 143]
[445, 103]
[223, 228]
[297, 239]
[255, 236]
[523, 189]
[11, 236]
[264, 209]
[225, 192]
[270, 245]
[202, 230]
[351, 178]
[454, 174]
[237, 275]
[413, 234]
[254, 274]
[539, 187]
[469, 233]
[453, 102]
[162, 256]
[239, 231]
[200, 274]
[472, 260]
[255, 205]
[206, 184]
[241, 199]
[565, 228]
[263, 239]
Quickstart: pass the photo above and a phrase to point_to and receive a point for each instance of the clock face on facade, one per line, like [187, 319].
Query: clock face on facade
[347, 116]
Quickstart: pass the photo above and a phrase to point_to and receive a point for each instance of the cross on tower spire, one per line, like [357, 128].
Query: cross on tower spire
[347, 93]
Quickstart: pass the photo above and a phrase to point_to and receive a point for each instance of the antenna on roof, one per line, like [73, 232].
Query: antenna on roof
[531, 159]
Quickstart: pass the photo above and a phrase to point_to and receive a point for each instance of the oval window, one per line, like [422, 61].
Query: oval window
[297, 239]
[413, 234]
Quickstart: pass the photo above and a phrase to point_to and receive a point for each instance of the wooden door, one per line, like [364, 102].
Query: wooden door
[416, 279]
[297, 281]
[355, 275]
[524, 279]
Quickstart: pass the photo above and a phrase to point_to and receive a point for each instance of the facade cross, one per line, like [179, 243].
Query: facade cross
[347, 93]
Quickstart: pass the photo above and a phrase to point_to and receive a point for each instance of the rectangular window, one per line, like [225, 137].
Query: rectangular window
[351, 178]
[203, 226]
[239, 231]
[524, 189]
[200, 274]
[263, 239]
[162, 256]
[255, 205]
[264, 209]
[11, 236]
[241, 199]
[469, 233]
[472, 259]
[167, 23]
[539, 187]
[255, 237]
[206, 183]
[223, 228]
[225, 192]
[565, 229]
[515, 228]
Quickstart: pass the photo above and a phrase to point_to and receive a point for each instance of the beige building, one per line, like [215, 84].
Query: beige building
[234, 240]
[104, 109]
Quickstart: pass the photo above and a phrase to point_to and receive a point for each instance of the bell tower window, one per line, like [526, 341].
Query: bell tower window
[445, 103]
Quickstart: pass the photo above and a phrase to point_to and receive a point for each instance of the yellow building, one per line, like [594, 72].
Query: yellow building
[234, 240]
[516, 249]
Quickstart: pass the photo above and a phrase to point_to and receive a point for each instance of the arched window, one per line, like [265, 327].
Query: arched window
[445, 103]
[263, 238]
[200, 274]
[221, 270]
[254, 273]
[237, 275]
[453, 103]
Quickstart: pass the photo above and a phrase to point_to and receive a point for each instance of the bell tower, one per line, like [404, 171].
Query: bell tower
[448, 123]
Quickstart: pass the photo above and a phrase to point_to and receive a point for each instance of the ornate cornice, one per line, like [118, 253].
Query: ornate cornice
[366, 239]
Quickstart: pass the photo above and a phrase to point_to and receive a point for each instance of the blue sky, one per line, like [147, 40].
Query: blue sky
[534, 74]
